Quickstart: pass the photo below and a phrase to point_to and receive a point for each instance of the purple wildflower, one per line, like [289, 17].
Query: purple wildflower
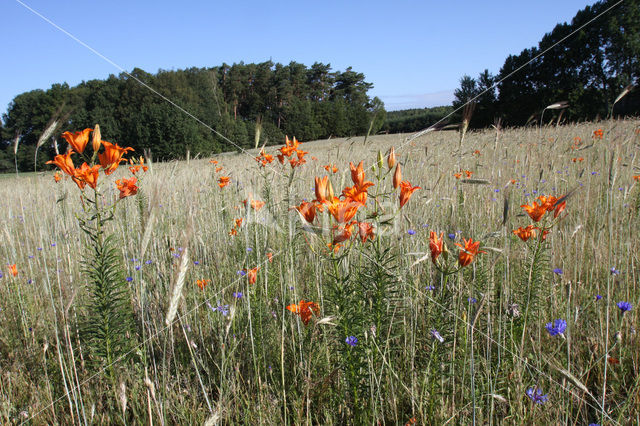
[557, 327]
[535, 395]
[436, 335]
[624, 306]
[351, 341]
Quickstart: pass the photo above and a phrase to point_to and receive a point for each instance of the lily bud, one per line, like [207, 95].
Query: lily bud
[391, 159]
[97, 137]
[380, 160]
[397, 177]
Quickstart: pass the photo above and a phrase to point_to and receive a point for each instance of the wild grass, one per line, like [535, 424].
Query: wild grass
[209, 356]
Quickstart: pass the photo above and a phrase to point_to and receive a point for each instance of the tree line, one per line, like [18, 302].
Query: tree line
[244, 104]
[588, 70]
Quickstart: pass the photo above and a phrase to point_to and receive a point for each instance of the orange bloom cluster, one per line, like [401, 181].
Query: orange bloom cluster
[127, 187]
[135, 167]
[305, 310]
[530, 231]
[468, 252]
[477, 153]
[637, 177]
[264, 158]
[254, 204]
[109, 159]
[466, 173]
[223, 181]
[291, 147]
[547, 204]
[598, 134]
[237, 225]
[252, 275]
[577, 141]
[579, 160]
[202, 283]
[13, 270]
[331, 168]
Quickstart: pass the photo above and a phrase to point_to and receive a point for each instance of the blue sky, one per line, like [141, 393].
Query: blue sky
[414, 52]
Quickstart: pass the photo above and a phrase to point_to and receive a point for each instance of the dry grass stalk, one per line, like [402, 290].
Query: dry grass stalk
[177, 288]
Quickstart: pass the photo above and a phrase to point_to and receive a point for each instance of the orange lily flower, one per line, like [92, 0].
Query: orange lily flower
[202, 283]
[233, 232]
[213, 161]
[535, 211]
[357, 173]
[365, 231]
[467, 173]
[468, 252]
[457, 175]
[64, 162]
[135, 168]
[112, 156]
[357, 193]
[295, 163]
[406, 190]
[391, 159]
[239, 222]
[331, 168]
[13, 270]
[344, 233]
[343, 211]
[436, 245]
[264, 158]
[270, 257]
[223, 181]
[257, 204]
[321, 189]
[127, 187]
[397, 177]
[78, 140]
[637, 178]
[252, 274]
[305, 310]
[598, 134]
[57, 176]
[86, 175]
[307, 210]
[525, 233]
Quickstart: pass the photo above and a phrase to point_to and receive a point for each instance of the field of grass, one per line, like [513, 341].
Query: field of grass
[394, 339]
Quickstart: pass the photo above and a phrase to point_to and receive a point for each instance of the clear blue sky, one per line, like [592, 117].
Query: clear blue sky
[414, 52]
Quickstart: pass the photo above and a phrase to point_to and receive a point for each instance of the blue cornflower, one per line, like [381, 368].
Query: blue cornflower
[237, 294]
[430, 287]
[472, 300]
[351, 341]
[129, 279]
[557, 327]
[195, 262]
[242, 273]
[557, 271]
[53, 244]
[598, 297]
[535, 395]
[149, 262]
[624, 306]
[138, 267]
[614, 271]
[1, 274]
[451, 236]
[411, 232]
[249, 249]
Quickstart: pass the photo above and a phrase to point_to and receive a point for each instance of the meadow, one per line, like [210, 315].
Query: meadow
[224, 312]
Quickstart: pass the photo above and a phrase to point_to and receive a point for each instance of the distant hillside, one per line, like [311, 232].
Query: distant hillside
[413, 120]
[244, 104]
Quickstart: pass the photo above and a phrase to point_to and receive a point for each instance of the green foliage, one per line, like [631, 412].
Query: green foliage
[108, 326]
[308, 103]
[413, 120]
[589, 69]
